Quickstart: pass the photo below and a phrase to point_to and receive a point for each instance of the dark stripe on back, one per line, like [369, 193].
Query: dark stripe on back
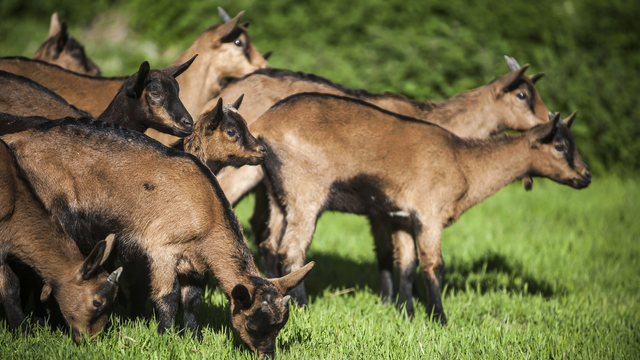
[44, 63]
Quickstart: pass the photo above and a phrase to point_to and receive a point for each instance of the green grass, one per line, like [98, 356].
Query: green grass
[548, 274]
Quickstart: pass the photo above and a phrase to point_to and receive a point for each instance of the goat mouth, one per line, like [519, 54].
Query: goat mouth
[255, 160]
[580, 183]
[182, 132]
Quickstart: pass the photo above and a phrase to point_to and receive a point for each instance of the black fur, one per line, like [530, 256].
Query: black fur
[46, 64]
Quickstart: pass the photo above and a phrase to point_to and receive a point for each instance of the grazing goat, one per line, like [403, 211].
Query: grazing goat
[83, 290]
[337, 153]
[221, 138]
[24, 97]
[161, 203]
[148, 99]
[225, 52]
[63, 50]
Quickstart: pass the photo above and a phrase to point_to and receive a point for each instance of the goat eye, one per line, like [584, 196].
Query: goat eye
[97, 303]
[522, 96]
[231, 133]
[238, 42]
[155, 94]
[561, 147]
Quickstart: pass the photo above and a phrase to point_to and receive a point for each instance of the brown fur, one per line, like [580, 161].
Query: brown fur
[337, 153]
[64, 50]
[221, 138]
[24, 97]
[28, 233]
[179, 219]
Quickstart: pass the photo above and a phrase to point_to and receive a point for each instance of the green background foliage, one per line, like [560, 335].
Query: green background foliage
[426, 50]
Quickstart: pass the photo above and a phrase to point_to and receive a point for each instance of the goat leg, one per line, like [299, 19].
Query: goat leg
[10, 298]
[405, 256]
[429, 252]
[191, 288]
[381, 231]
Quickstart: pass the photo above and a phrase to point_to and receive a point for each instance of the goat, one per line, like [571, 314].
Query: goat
[24, 97]
[179, 220]
[337, 153]
[83, 289]
[511, 101]
[221, 138]
[147, 99]
[64, 50]
[226, 52]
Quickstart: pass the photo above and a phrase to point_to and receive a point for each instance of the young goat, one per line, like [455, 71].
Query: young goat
[148, 99]
[511, 101]
[178, 219]
[395, 167]
[83, 289]
[221, 138]
[63, 50]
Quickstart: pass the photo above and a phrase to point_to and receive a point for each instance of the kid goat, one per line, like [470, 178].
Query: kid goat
[178, 219]
[83, 289]
[336, 153]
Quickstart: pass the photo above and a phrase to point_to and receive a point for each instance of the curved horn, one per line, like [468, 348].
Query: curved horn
[264, 307]
[267, 54]
[285, 300]
[223, 15]
[113, 278]
[511, 63]
[570, 119]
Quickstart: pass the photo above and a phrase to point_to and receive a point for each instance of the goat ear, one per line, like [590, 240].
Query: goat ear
[63, 37]
[292, 280]
[536, 77]
[176, 70]
[46, 292]
[544, 133]
[570, 119]
[236, 104]
[240, 295]
[110, 241]
[54, 28]
[226, 28]
[267, 55]
[92, 263]
[137, 81]
[214, 118]
[511, 78]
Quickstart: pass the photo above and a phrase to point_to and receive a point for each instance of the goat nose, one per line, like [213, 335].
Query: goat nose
[187, 122]
[587, 174]
[262, 150]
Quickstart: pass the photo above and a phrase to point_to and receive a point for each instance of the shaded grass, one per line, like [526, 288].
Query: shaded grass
[548, 274]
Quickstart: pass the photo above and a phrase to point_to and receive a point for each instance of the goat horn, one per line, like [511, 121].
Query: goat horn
[113, 278]
[511, 63]
[223, 15]
[285, 300]
[264, 307]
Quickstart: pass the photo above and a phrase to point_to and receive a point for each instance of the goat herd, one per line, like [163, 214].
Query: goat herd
[93, 188]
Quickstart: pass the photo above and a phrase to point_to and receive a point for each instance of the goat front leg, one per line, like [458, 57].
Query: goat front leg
[430, 255]
[260, 219]
[405, 256]
[300, 226]
[191, 288]
[10, 298]
[165, 292]
[269, 247]
[381, 231]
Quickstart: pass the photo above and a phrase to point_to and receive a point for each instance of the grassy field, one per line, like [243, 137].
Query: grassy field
[548, 274]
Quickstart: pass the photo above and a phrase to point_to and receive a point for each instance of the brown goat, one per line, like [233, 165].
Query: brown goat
[395, 167]
[221, 138]
[225, 52]
[24, 97]
[147, 99]
[162, 203]
[64, 50]
[83, 290]
[511, 101]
